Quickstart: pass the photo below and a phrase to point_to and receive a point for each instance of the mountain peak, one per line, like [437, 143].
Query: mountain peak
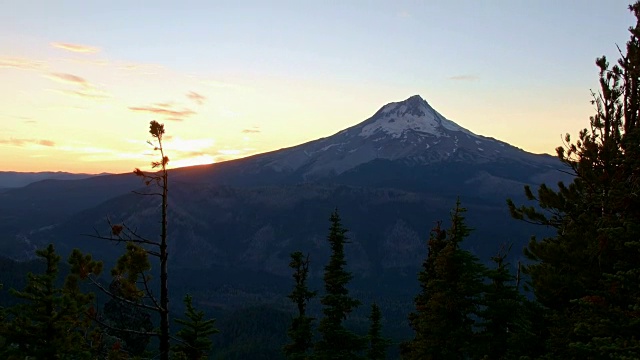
[414, 105]
[415, 101]
[413, 114]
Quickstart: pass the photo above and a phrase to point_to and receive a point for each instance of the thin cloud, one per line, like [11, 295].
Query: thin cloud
[82, 88]
[197, 98]
[404, 14]
[194, 153]
[24, 142]
[46, 143]
[89, 61]
[230, 152]
[253, 130]
[143, 69]
[465, 78]
[68, 79]
[77, 48]
[20, 63]
[88, 93]
[165, 109]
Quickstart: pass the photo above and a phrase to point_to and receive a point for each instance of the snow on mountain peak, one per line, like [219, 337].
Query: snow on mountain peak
[411, 114]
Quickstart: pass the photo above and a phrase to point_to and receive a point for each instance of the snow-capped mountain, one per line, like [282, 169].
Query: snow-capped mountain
[405, 145]
[409, 131]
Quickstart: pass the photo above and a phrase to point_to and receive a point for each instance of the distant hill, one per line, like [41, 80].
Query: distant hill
[13, 179]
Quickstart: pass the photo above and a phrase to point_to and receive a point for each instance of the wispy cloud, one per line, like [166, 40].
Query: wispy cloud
[77, 48]
[68, 79]
[144, 69]
[21, 63]
[89, 61]
[253, 130]
[197, 98]
[88, 93]
[24, 142]
[82, 88]
[230, 152]
[466, 77]
[46, 143]
[404, 14]
[168, 110]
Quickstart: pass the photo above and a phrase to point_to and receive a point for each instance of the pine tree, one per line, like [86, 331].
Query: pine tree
[377, 343]
[418, 320]
[122, 316]
[451, 282]
[300, 331]
[135, 261]
[336, 342]
[51, 322]
[505, 329]
[102, 344]
[587, 274]
[195, 333]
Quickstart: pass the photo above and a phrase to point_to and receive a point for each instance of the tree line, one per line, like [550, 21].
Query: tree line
[585, 278]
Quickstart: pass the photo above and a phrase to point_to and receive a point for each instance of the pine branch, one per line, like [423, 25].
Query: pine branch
[113, 328]
[137, 332]
[120, 240]
[147, 194]
[148, 291]
[120, 298]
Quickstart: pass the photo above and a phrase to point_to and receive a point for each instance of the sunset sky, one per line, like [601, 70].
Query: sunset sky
[80, 80]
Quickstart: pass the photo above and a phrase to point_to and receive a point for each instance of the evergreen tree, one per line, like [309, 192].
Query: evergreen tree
[505, 328]
[587, 275]
[377, 344]
[51, 321]
[118, 314]
[336, 342]
[195, 333]
[300, 332]
[418, 320]
[134, 289]
[451, 282]
[122, 316]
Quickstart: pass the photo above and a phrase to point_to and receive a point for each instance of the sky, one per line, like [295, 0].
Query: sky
[81, 80]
